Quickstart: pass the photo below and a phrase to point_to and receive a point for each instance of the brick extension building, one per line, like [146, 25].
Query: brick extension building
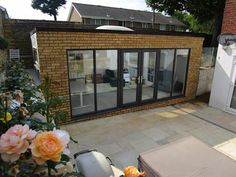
[102, 73]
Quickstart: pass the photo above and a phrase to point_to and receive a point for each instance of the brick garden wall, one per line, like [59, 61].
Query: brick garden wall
[17, 32]
[52, 48]
[229, 21]
[3, 54]
[1, 23]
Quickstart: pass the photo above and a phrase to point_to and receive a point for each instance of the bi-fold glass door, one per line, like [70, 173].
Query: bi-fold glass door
[137, 74]
[148, 75]
[93, 80]
[102, 80]
[129, 76]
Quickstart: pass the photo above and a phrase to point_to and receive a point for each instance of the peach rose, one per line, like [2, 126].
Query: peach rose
[15, 142]
[132, 171]
[49, 146]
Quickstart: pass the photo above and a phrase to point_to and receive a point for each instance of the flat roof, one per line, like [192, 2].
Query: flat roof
[136, 31]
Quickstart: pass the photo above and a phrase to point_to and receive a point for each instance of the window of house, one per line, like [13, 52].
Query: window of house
[131, 24]
[144, 25]
[137, 25]
[172, 27]
[95, 22]
[87, 21]
[92, 21]
[98, 21]
[157, 26]
[167, 27]
[127, 24]
[163, 27]
[104, 22]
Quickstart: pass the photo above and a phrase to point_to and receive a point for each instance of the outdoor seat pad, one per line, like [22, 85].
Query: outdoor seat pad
[188, 157]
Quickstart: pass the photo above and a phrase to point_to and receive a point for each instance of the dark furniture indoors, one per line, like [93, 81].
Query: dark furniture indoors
[110, 77]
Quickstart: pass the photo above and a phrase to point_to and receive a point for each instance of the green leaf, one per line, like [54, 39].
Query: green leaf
[65, 158]
[52, 165]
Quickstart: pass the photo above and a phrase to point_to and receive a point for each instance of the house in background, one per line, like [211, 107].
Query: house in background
[101, 15]
[223, 94]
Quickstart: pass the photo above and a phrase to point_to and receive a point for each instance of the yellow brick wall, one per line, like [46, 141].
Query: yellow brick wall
[52, 47]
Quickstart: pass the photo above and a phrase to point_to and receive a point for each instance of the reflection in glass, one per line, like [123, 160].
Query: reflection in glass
[233, 99]
[106, 79]
[149, 62]
[130, 73]
[81, 84]
[165, 73]
[180, 71]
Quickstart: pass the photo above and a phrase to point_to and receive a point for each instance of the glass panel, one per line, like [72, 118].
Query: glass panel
[149, 62]
[98, 22]
[165, 73]
[106, 79]
[81, 83]
[162, 27]
[233, 99]
[92, 22]
[180, 71]
[130, 73]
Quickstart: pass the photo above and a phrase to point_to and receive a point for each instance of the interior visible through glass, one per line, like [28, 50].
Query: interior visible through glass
[137, 77]
[148, 75]
[130, 74]
[81, 81]
[180, 71]
[233, 99]
[106, 79]
[165, 73]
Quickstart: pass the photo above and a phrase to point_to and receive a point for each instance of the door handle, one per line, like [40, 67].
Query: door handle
[141, 79]
[137, 80]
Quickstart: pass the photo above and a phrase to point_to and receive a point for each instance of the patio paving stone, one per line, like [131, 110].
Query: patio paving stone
[125, 158]
[109, 149]
[124, 137]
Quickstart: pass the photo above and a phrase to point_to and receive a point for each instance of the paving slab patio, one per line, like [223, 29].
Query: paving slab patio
[124, 137]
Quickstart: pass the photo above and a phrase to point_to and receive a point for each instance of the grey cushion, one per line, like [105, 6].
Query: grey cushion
[93, 164]
[187, 157]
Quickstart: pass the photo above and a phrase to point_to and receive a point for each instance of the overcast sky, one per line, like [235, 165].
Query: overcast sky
[21, 9]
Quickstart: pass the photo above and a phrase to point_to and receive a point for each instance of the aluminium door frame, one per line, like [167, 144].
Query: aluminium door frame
[155, 83]
[120, 84]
